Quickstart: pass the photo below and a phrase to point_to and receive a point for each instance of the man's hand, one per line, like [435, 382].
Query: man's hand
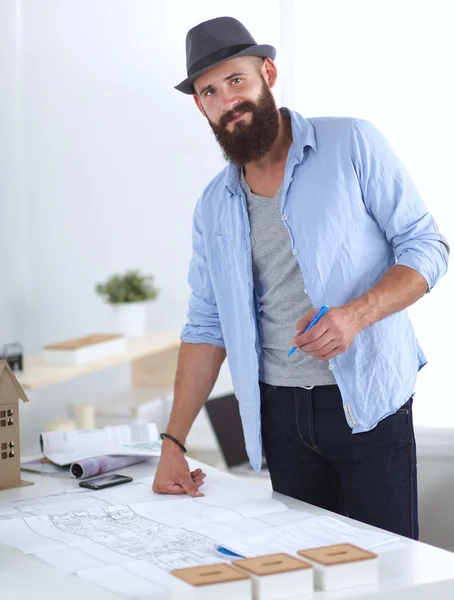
[332, 335]
[173, 475]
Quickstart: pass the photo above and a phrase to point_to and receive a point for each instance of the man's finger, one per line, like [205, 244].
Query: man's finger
[333, 353]
[317, 345]
[326, 350]
[314, 334]
[197, 472]
[190, 487]
[198, 481]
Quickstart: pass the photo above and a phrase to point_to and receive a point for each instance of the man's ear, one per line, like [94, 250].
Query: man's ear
[199, 104]
[269, 72]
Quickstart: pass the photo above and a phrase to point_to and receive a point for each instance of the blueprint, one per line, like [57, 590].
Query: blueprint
[127, 539]
[129, 547]
[123, 532]
[60, 502]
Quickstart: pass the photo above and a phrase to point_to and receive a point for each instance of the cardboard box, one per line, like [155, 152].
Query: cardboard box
[211, 582]
[278, 576]
[342, 566]
[10, 394]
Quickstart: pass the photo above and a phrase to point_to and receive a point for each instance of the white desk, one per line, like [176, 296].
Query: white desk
[408, 571]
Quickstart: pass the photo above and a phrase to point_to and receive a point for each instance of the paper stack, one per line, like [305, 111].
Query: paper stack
[278, 576]
[217, 581]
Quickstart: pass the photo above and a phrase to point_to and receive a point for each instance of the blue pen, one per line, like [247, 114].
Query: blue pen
[228, 553]
[315, 319]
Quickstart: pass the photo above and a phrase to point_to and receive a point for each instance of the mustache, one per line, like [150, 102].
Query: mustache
[244, 107]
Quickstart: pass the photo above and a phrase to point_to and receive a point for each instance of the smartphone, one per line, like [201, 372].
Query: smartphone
[99, 483]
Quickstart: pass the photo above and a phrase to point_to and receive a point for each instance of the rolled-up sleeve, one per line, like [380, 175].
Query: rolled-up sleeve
[203, 325]
[392, 200]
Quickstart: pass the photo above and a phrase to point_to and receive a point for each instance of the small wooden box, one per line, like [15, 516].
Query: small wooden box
[278, 576]
[211, 582]
[342, 566]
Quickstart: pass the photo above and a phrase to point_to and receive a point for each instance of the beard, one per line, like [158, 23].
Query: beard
[247, 143]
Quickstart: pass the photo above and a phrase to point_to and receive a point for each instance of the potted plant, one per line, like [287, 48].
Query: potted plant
[129, 295]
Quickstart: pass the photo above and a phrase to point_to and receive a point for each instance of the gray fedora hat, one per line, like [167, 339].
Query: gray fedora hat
[214, 42]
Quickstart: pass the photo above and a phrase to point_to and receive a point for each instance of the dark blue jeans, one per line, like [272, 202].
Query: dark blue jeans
[313, 456]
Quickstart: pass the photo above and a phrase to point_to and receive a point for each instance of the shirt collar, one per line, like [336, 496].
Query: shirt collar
[303, 135]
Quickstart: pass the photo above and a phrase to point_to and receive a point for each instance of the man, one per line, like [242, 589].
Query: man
[307, 213]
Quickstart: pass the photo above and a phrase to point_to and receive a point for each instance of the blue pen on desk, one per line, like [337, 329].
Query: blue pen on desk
[316, 318]
[227, 553]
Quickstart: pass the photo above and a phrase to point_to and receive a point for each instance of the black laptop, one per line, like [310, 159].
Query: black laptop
[224, 415]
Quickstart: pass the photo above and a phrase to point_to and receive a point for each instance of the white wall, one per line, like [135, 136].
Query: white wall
[13, 234]
[115, 158]
[114, 161]
[390, 61]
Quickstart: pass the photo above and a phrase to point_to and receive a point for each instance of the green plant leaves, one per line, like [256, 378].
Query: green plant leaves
[131, 286]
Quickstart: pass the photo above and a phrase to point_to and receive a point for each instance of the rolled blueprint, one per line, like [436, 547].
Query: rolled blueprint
[89, 467]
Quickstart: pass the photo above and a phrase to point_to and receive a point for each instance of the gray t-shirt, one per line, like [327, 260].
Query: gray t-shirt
[281, 297]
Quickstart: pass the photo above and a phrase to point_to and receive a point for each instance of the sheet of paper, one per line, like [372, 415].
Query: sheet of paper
[168, 535]
[124, 582]
[127, 539]
[35, 534]
[79, 439]
[145, 569]
[78, 499]
[114, 530]
[196, 512]
[308, 533]
[66, 447]
[50, 504]
[232, 529]
[139, 490]
[44, 467]
[223, 495]
[279, 519]
[72, 560]
[89, 556]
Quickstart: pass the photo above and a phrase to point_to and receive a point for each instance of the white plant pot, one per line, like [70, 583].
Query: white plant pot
[130, 318]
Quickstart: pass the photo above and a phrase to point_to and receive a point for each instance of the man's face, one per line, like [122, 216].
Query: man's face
[240, 108]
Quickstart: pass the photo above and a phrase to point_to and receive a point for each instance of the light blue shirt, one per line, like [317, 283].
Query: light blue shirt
[351, 212]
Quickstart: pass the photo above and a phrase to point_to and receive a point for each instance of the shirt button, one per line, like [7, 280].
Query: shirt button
[291, 179]
[330, 367]
[295, 252]
[284, 217]
[305, 291]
